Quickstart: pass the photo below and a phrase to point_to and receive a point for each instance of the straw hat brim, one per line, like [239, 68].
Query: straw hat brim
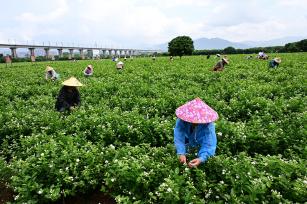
[72, 82]
[225, 60]
[278, 60]
[48, 68]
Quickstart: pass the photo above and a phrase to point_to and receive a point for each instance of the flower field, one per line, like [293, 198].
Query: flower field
[120, 140]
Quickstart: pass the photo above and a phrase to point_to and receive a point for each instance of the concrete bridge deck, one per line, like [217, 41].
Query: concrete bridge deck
[105, 51]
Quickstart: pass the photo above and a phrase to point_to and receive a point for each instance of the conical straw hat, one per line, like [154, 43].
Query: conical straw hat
[72, 81]
[120, 62]
[277, 59]
[196, 111]
[90, 66]
[48, 68]
[225, 60]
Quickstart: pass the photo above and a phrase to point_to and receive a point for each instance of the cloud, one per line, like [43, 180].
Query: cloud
[52, 15]
[133, 23]
[292, 3]
[143, 23]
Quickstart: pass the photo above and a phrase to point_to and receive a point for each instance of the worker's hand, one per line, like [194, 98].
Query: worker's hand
[194, 163]
[182, 159]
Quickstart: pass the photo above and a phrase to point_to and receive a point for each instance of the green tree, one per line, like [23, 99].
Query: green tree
[302, 45]
[230, 50]
[291, 47]
[181, 45]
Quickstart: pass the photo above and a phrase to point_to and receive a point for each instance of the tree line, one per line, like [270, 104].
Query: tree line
[183, 45]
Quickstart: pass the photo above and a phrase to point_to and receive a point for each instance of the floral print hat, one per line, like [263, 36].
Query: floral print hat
[196, 111]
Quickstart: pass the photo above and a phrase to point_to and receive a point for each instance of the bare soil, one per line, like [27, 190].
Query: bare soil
[6, 194]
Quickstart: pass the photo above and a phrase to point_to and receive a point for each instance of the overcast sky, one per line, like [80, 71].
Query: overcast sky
[133, 23]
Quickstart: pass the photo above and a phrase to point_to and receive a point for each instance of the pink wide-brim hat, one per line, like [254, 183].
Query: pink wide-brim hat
[196, 111]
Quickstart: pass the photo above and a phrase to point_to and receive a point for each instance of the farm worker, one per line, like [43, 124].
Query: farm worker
[69, 96]
[275, 62]
[120, 65]
[50, 73]
[171, 58]
[262, 55]
[125, 58]
[88, 70]
[153, 58]
[208, 56]
[220, 65]
[195, 129]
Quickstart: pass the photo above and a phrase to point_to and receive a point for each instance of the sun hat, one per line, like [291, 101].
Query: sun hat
[72, 81]
[48, 68]
[90, 66]
[196, 111]
[218, 55]
[277, 59]
[225, 60]
[119, 65]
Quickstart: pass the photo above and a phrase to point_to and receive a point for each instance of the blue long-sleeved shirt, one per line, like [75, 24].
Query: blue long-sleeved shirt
[203, 135]
[273, 64]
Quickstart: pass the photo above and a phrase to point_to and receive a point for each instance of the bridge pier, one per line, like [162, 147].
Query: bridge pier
[31, 49]
[71, 53]
[14, 52]
[104, 53]
[46, 52]
[90, 53]
[60, 53]
[81, 53]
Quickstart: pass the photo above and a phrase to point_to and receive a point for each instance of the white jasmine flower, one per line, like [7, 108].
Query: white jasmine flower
[16, 197]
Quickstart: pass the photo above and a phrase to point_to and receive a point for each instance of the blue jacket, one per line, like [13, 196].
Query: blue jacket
[203, 135]
[273, 64]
